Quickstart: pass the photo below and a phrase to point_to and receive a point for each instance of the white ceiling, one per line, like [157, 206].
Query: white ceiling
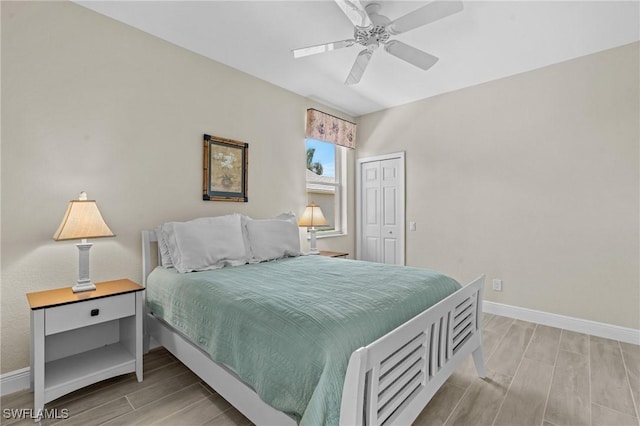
[484, 42]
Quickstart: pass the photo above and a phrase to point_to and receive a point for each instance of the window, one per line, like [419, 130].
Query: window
[326, 183]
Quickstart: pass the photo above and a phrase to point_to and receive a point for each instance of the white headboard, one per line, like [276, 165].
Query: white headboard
[148, 240]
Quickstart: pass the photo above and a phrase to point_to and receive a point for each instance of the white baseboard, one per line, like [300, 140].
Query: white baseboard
[14, 381]
[17, 380]
[599, 329]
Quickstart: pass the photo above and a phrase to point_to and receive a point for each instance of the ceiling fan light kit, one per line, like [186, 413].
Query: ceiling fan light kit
[372, 29]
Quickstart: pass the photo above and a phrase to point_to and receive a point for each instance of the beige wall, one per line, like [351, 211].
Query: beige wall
[91, 104]
[532, 179]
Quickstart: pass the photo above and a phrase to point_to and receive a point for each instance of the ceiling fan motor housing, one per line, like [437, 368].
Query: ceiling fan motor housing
[377, 33]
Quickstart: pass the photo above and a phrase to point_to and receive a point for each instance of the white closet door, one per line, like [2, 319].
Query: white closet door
[381, 209]
[371, 213]
[390, 227]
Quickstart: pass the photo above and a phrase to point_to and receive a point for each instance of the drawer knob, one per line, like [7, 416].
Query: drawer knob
[95, 312]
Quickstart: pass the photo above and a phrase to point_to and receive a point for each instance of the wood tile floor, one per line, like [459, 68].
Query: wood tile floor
[536, 375]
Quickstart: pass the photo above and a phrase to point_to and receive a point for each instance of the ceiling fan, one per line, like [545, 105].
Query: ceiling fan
[372, 29]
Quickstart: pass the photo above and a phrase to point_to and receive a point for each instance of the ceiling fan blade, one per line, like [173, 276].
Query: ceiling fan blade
[410, 54]
[355, 12]
[424, 15]
[358, 67]
[321, 48]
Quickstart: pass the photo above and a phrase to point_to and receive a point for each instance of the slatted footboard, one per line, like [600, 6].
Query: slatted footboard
[391, 380]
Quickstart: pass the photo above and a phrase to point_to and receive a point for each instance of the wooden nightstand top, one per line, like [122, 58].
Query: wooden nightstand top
[63, 296]
[329, 253]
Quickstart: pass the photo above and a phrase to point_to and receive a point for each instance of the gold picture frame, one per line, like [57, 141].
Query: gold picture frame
[225, 167]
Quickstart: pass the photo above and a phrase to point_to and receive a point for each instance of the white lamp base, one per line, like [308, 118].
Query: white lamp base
[312, 241]
[84, 282]
[83, 287]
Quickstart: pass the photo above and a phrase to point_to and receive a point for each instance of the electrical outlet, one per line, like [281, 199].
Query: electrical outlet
[497, 284]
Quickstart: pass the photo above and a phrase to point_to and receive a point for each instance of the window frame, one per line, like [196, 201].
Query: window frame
[339, 191]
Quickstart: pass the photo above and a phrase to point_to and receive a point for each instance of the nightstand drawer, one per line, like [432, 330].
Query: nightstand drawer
[82, 314]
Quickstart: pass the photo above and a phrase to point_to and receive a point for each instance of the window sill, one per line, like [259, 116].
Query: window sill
[328, 235]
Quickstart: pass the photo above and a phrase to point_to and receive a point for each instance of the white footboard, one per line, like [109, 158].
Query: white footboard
[391, 380]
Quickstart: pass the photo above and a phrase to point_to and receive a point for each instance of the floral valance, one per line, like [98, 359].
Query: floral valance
[328, 128]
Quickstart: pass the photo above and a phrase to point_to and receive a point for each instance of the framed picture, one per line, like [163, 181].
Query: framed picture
[225, 169]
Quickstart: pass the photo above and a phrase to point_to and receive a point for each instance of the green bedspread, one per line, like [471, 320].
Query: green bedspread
[288, 327]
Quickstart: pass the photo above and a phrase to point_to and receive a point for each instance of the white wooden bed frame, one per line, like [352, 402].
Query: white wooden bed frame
[388, 382]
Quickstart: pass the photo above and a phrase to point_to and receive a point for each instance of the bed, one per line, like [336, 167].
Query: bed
[355, 360]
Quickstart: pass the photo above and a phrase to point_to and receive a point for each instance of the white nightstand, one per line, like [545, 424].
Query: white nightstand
[82, 338]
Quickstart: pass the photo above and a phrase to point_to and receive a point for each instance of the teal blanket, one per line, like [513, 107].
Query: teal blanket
[288, 327]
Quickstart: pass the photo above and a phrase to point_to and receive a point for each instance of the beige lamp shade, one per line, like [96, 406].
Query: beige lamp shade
[312, 216]
[82, 220]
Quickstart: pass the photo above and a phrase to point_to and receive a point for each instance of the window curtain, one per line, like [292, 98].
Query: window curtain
[328, 128]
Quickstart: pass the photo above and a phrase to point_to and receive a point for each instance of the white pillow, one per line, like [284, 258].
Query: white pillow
[165, 256]
[273, 238]
[205, 243]
[245, 236]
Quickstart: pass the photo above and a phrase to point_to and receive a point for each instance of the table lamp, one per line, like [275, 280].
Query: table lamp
[312, 217]
[81, 221]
